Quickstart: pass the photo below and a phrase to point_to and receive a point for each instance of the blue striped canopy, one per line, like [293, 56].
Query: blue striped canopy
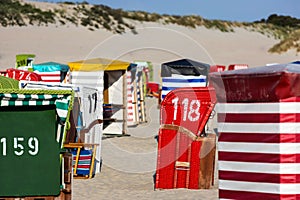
[183, 73]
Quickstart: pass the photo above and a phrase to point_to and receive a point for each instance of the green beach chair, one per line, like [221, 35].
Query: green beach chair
[33, 129]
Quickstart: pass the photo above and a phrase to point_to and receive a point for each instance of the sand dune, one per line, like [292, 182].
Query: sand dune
[154, 42]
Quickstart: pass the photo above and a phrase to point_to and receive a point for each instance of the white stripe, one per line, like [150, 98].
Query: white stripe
[179, 76]
[165, 92]
[32, 102]
[34, 96]
[271, 168]
[48, 96]
[273, 188]
[39, 87]
[58, 132]
[62, 113]
[8, 96]
[4, 103]
[174, 84]
[45, 85]
[90, 82]
[46, 102]
[82, 73]
[289, 128]
[21, 96]
[18, 102]
[283, 107]
[273, 148]
[50, 78]
[48, 73]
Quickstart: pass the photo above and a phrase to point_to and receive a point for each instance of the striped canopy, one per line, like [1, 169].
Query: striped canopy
[62, 99]
[172, 83]
[183, 73]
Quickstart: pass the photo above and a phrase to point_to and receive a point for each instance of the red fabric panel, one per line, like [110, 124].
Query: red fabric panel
[259, 157]
[239, 195]
[195, 165]
[183, 156]
[259, 84]
[83, 166]
[181, 147]
[259, 137]
[166, 159]
[259, 177]
[85, 157]
[22, 75]
[258, 117]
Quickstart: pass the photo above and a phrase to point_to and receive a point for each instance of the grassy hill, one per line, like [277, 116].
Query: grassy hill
[19, 13]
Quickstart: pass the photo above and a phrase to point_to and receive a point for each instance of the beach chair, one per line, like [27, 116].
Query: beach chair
[83, 159]
[186, 156]
[33, 127]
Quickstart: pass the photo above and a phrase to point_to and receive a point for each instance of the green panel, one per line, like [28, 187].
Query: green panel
[36, 170]
[24, 59]
[8, 83]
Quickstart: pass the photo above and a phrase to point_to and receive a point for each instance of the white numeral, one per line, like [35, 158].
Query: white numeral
[185, 103]
[3, 141]
[194, 110]
[190, 112]
[33, 144]
[175, 102]
[28, 77]
[13, 74]
[21, 75]
[18, 146]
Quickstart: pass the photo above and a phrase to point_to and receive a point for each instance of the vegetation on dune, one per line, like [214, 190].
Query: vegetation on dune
[287, 29]
[283, 21]
[292, 41]
[12, 13]
[17, 13]
[97, 16]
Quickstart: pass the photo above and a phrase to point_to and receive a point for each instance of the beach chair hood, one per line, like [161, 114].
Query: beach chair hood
[50, 67]
[260, 84]
[184, 67]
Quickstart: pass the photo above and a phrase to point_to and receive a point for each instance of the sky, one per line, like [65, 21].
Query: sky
[232, 10]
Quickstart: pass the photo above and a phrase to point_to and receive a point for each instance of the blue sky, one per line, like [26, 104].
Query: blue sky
[233, 10]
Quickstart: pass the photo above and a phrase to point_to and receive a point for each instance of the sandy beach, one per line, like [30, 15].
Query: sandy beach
[128, 167]
[130, 162]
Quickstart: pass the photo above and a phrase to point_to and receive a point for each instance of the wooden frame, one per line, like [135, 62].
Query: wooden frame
[79, 147]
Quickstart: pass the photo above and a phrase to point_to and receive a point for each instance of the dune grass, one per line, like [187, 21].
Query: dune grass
[292, 41]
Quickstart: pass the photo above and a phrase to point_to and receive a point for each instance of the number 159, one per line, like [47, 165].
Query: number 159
[18, 146]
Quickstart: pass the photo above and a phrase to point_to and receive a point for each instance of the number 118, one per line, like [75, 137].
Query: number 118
[190, 109]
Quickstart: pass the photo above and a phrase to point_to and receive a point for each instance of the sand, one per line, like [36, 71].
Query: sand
[128, 167]
[129, 162]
